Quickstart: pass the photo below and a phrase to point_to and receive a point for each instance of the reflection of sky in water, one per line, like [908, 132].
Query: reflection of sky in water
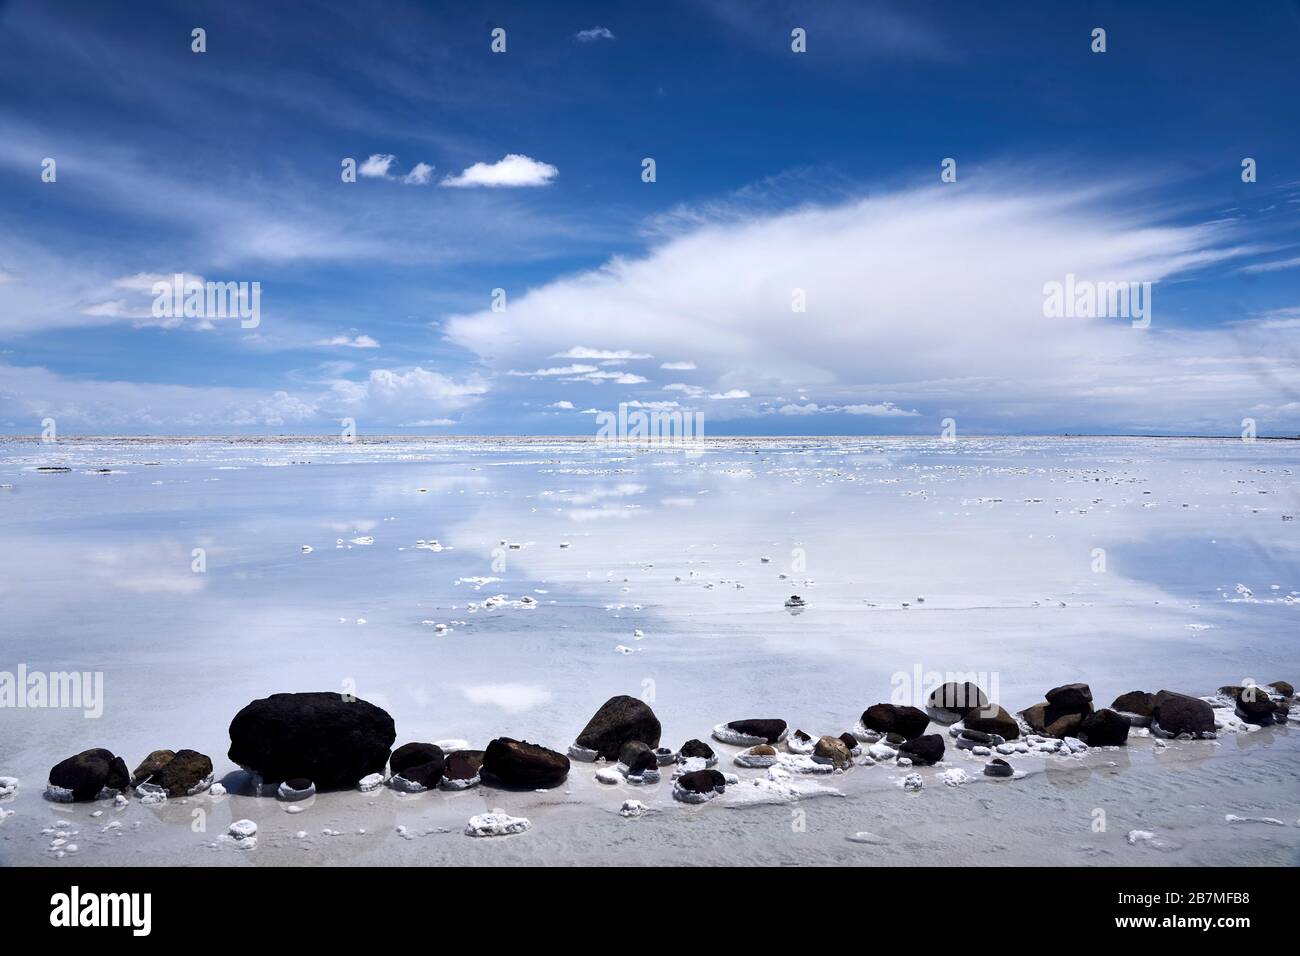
[995, 535]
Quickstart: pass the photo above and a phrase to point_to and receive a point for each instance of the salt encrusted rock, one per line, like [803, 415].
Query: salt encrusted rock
[752, 731]
[419, 765]
[1254, 705]
[699, 786]
[1175, 714]
[632, 808]
[664, 756]
[949, 703]
[322, 736]
[1136, 707]
[461, 770]
[1283, 688]
[891, 718]
[913, 782]
[970, 739]
[1076, 698]
[1104, 728]
[800, 742]
[993, 719]
[187, 773]
[760, 755]
[150, 766]
[242, 829]
[638, 758]
[620, 720]
[696, 748]
[831, 750]
[82, 776]
[370, 782]
[296, 789]
[8, 786]
[517, 763]
[850, 743]
[496, 823]
[997, 767]
[927, 749]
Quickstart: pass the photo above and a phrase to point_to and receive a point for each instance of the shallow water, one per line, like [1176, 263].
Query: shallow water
[999, 537]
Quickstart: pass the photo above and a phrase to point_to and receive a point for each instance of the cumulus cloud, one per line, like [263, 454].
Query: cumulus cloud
[419, 175]
[595, 33]
[582, 352]
[563, 405]
[514, 169]
[883, 338]
[377, 166]
[355, 342]
[679, 366]
[729, 394]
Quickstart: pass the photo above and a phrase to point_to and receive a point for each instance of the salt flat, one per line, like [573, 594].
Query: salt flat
[439, 587]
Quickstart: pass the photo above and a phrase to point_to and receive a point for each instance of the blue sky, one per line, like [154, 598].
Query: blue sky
[776, 171]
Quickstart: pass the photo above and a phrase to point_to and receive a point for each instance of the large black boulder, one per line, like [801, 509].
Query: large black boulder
[893, 719]
[696, 748]
[1255, 706]
[89, 772]
[322, 736]
[923, 750]
[1182, 714]
[517, 763]
[1104, 728]
[620, 720]
[992, 719]
[183, 774]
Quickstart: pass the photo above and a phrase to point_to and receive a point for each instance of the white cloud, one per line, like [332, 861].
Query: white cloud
[1273, 266]
[419, 175]
[557, 370]
[377, 166]
[729, 394]
[582, 352]
[679, 366]
[355, 342]
[562, 405]
[595, 33]
[976, 345]
[514, 169]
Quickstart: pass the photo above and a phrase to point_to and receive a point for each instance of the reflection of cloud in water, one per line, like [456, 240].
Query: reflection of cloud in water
[511, 697]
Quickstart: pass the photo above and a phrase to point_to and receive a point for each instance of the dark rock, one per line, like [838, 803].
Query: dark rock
[1066, 725]
[893, 719]
[1104, 728]
[183, 773]
[1071, 697]
[1255, 706]
[637, 757]
[416, 755]
[89, 772]
[954, 698]
[332, 740]
[426, 774]
[462, 765]
[769, 729]
[696, 748]
[1036, 717]
[977, 737]
[620, 720]
[850, 742]
[895, 740]
[1283, 688]
[762, 750]
[517, 763]
[1182, 714]
[150, 765]
[1136, 702]
[923, 750]
[802, 737]
[299, 784]
[833, 751]
[997, 767]
[993, 720]
[703, 781]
